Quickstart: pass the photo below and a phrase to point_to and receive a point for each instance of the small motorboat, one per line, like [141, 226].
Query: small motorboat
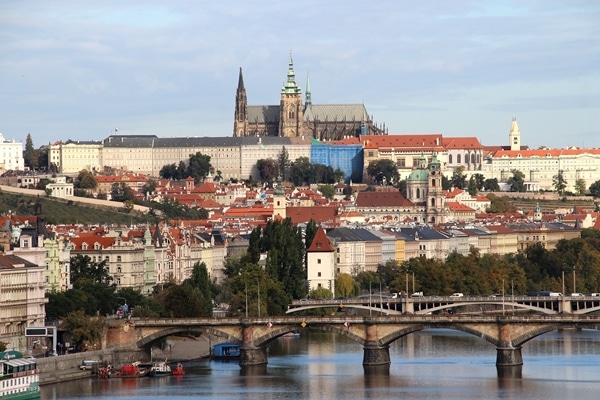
[160, 368]
[178, 370]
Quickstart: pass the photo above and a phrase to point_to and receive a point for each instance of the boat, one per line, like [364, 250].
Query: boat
[291, 335]
[19, 377]
[178, 370]
[226, 351]
[133, 370]
[159, 368]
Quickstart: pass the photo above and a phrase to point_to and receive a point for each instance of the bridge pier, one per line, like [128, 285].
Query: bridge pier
[253, 356]
[376, 355]
[508, 357]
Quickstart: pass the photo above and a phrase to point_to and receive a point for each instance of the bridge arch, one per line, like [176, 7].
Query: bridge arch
[178, 330]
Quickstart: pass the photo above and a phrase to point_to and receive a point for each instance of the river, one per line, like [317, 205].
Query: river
[432, 364]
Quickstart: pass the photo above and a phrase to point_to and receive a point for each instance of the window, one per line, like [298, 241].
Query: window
[319, 274]
[118, 258]
[449, 158]
[458, 158]
[319, 261]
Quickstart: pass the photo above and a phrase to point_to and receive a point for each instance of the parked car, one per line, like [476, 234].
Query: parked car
[456, 295]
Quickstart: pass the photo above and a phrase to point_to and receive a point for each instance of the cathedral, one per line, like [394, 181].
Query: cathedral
[294, 118]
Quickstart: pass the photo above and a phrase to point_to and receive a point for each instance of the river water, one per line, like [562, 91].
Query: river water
[432, 364]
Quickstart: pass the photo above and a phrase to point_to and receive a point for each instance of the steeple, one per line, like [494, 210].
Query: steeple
[514, 136]
[290, 87]
[240, 123]
[308, 102]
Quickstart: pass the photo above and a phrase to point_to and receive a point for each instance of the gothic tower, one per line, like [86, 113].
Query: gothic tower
[279, 205]
[514, 136]
[240, 124]
[291, 110]
[436, 208]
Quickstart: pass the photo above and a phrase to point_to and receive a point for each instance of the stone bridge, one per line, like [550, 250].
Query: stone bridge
[375, 334]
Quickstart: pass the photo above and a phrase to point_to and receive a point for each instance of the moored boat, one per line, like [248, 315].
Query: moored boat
[19, 377]
[178, 370]
[133, 370]
[159, 368]
[225, 351]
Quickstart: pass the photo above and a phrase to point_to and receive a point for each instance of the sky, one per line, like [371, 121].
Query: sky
[82, 70]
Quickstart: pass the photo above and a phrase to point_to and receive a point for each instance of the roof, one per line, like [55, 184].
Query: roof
[382, 199]
[320, 243]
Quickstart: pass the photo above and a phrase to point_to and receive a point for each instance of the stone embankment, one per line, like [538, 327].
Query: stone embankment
[66, 367]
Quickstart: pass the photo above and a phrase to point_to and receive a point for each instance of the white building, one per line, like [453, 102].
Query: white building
[11, 155]
[321, 263]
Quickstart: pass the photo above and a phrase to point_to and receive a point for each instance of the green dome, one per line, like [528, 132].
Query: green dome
[418, 175]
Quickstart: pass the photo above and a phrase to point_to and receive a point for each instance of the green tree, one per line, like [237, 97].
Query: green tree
[328, 191]
[580, 186]
[283, 162]
[169, 171]
[472, 187]
[201, 280]
[121, 192]
[517, 181]
[86, 180]
[500, 204]
[345, 286]
[320, 294]
[559, 182]
[479, 181]
[84, 330]
[389, 271]
[268, 170]
[83, 268]
[459, 179]
[383, 171]
[339, 175]
[491, 185]
[595, 189]
[199, 167]
[149, 186]
[28, 154]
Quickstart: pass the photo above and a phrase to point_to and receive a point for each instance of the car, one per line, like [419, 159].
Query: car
[577, 295]
[456, 295]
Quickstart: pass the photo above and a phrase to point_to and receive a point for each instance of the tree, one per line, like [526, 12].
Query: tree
[345, 286]
[149, 186]
[595, 189]
[83, 268]
[383, 171]
[491, 185]
[328, 191]
[479, 181]
[85, 180]
[472, 187]
[201, 280]
[83, 329]
[459, 179]
[283, 161]
[559, 182]
[500, 204]
[338, 175]
[121, 192]
[199, 167]
[517, 181]
[28, 154]
[268, 170]
[580, 186]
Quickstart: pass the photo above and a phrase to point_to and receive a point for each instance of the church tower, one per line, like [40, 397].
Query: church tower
[291, 110]
[240, 124]
[436, 208]
[279, 206]
[514, 136]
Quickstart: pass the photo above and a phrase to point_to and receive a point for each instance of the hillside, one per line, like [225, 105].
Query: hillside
[57, 211]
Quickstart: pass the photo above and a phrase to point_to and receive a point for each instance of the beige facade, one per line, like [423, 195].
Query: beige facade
[22, 287]
[72, 157]
[58, 271]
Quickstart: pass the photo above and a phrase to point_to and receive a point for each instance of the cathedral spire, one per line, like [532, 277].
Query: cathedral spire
[241, 82]
[308, 95]
[290, 87]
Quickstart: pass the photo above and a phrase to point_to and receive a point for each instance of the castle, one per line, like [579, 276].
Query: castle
[295, 118]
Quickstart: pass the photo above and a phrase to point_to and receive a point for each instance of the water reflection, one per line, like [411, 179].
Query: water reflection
[425, 365]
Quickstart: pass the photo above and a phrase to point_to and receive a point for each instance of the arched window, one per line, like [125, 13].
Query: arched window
[449, 158]
[466, 158]
[418, 193]
[433, 220]
[458, 158]
[433, 202]
[291, 114]
[473, 158]
[433, 182]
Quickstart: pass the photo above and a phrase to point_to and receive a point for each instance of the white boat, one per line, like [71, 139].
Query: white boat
[19, 377]
[159, 368]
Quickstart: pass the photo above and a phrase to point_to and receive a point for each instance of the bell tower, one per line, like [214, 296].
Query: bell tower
[436, 208]
[290, 109]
